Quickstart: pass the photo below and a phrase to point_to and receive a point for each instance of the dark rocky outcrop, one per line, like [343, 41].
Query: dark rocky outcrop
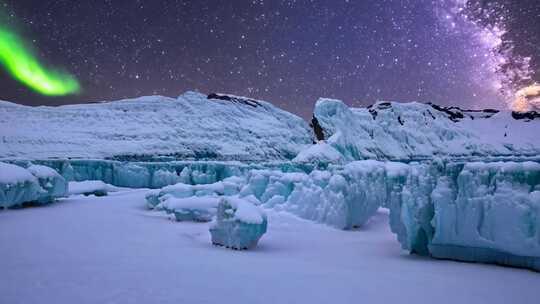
[234, 99]
[531, 115]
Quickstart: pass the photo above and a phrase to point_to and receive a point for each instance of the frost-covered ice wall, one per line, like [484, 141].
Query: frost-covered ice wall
[36, 185]
[192, 126]
[484, 212]
[156, 174]
[416, 131]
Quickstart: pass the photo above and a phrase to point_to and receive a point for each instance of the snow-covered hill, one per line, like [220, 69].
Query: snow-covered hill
[404, 131]
[192, 126]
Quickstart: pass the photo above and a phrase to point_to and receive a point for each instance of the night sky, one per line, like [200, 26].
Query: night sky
[455, 52]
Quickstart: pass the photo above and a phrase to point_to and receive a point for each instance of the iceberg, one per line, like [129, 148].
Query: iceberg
[239, 224]
[53, 184]
[17, 186]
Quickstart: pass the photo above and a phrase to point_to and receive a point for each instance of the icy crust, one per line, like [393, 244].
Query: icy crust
[35, 184]
[416, 131]
[192, 126]
[52, 183]
[239, 223]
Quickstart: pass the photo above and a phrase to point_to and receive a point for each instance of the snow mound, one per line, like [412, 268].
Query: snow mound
[90, 187]
[195, 208]
[193, 126]
[229, 186]
[405, 131]
[320, 153]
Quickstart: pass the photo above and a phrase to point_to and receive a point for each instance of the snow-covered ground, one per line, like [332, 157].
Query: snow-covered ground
[113, 250]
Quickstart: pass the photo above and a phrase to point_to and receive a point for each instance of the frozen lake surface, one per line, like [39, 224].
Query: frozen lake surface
[113, 250]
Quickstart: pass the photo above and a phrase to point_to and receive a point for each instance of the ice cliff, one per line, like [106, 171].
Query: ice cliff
[416, 131]
[192, 126]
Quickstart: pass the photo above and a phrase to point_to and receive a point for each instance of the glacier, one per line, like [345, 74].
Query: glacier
[187, 127]
[417, 131]
[458, 184]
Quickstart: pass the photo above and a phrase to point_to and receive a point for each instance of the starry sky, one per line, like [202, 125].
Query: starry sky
[451, 52]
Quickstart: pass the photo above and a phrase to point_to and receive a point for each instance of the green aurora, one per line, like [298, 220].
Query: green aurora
[21, 62]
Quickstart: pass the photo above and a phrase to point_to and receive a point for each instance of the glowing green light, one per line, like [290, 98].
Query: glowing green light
[23, 65]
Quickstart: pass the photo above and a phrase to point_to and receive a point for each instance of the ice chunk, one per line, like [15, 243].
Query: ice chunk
[483, 212]
[490, 213]
[239, 224]
[195, 208]
[344, 199]
[52, 183]
[91, 187]
[162, 178]
[17, 186]
[180, 190]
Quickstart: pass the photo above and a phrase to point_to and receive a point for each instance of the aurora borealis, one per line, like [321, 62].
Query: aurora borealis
[468, 53]
[20, 61]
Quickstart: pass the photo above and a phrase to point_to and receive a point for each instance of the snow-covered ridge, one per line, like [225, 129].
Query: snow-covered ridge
[193, 126]
[405, 131]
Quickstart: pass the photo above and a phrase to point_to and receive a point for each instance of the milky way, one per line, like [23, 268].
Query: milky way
[453, 52]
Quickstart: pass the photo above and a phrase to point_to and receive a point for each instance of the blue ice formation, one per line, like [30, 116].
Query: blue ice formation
[239, 223]
[483, 212]
[33, 185]
[152, 175]
[53, 184]
[17, 186]
[344, 198]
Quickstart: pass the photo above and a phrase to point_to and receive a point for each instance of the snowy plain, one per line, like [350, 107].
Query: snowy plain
[113, 250]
